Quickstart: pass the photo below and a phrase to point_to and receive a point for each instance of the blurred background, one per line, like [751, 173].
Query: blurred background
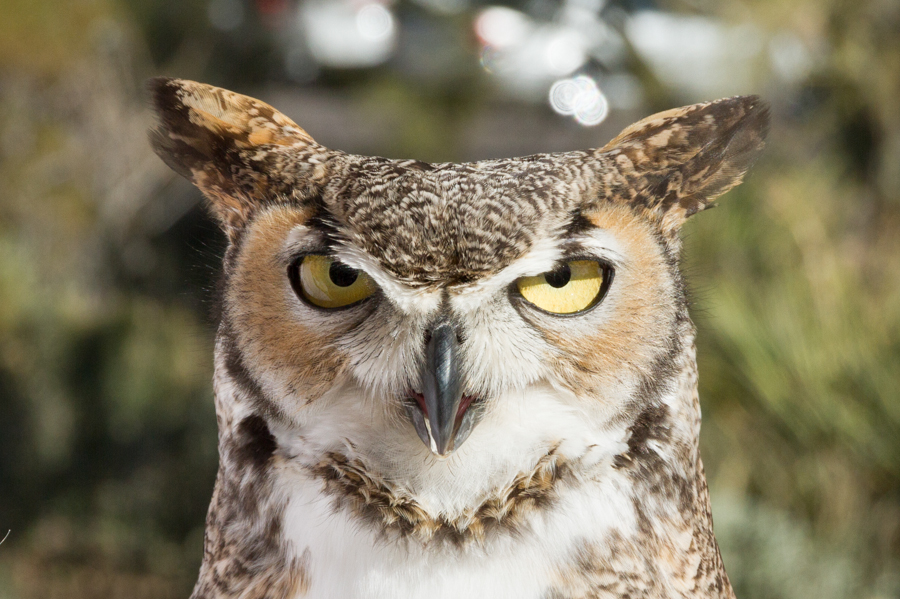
[108, 262]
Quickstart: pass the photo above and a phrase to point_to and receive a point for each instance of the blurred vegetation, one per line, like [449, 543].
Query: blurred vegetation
[107, 266]
[800, 325]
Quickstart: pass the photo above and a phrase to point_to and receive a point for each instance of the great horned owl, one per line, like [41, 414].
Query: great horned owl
[456, 380]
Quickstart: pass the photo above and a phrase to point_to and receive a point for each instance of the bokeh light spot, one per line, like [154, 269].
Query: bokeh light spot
[375, 22]
[565, 52]
[502, 27]
[580, 98]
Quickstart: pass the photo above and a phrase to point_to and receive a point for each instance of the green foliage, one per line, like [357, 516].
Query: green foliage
[798, 306]
[107, 440]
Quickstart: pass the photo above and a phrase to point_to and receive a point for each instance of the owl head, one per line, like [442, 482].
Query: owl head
[493, 309]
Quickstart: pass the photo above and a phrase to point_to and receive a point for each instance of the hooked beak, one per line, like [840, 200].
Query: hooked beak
[440, 414]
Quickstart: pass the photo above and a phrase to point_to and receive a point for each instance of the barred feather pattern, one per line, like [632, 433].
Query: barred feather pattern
[582, 477]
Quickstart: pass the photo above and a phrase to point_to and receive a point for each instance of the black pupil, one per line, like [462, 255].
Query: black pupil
[342, 275]
[559, 277]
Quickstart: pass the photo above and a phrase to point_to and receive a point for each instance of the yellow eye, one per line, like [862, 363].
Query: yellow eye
[327, 283]
[573, 287]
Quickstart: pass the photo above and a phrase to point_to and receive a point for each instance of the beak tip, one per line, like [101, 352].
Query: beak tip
[443, 452]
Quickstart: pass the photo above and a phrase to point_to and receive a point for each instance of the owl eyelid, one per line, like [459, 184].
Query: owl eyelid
[604, 263]
[323, 252]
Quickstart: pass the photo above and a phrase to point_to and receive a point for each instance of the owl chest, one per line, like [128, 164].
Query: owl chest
[349, 557]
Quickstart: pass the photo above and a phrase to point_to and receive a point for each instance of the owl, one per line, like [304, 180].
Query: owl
[455, 380]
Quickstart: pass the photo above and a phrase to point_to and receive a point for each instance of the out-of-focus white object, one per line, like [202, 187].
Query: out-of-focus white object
[791, 59]
[525, 55]
[501, 27]
[348, 34]
[698, 56]
[374, 22]
[580, 98]
[565, 51]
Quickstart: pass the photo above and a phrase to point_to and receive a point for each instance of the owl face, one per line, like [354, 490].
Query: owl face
[374, 302]
[582, 303]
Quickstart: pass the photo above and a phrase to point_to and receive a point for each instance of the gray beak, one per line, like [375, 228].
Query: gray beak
[446, 421]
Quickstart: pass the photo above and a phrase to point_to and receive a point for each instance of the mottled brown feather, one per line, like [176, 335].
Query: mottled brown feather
[675, 163]
[225, 143]
[397, 514]
[448, 225]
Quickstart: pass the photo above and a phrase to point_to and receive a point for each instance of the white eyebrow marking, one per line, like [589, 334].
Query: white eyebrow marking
[540, 258]
[604, 244]
[408, 299]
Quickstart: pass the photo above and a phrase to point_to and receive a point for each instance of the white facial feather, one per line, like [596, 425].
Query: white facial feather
[408, 299]
[353, 562]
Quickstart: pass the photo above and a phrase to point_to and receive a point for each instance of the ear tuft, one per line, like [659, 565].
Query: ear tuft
[223, 142]
[676, 163]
